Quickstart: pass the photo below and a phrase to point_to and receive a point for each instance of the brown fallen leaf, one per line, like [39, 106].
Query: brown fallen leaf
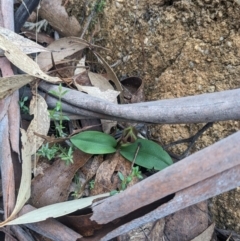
[106, 178]
[111, 75]
[82, 79]
[91, 166]
[59, 19]
[133, 89]
[206, 235]
[81, 224]
[60, 49]
[103, 180]
[41, 37]
[188, 223]
[53, 186]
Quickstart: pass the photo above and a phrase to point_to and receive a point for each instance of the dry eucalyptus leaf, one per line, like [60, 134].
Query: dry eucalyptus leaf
[55, 210]
[111, 75]
[80, 64]
[22, 61]
[24, 190]
[11, 83]
[206, 235]
[40, 123]
[25, 45]
[44, 192]
[56, 15]
[82, 79]
[99, 81]
[103, 180]
[60, 49]
[109, 95]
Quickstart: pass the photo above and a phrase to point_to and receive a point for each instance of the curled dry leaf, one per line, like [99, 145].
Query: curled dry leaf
[25, 45]
[133, 89]
[11, 83]
[41, 37]
[22, 61]
[40, 123]
[60, 49]
[111, 75]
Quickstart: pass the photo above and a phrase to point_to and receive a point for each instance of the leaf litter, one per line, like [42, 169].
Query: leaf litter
[41, 192]
[50, 190]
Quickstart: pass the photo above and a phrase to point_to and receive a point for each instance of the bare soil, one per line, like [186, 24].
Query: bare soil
[179, 48]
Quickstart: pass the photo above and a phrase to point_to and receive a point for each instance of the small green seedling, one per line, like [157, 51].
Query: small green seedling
[47, 152]
[91, 184]
[99, 6]
[22, 104]
[78, 186]
[66, 154]
[57, 113]
[126, 180]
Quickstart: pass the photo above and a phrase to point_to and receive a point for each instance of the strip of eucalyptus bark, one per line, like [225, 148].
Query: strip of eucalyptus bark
[219, 106]
[204, 164]
[199, 192]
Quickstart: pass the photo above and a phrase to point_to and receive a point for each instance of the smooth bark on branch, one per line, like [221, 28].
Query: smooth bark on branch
[219, 106]
[206, 163]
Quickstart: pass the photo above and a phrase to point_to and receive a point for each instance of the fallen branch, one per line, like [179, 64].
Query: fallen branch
[210, 107]
[201, 191]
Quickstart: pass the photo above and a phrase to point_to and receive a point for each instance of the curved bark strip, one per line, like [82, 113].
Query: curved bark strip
[204, 164]
[219, 106]
[199, 192]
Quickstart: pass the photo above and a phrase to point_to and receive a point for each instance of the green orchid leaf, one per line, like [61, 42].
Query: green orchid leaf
[94, 142]
[150, 154]
[121, 176]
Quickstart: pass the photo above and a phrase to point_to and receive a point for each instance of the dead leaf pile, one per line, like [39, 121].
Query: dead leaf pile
[68, 201]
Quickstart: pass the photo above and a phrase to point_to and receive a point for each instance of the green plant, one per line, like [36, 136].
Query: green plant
[143, 152]
[67, 155]
[47, 151]
[99, 6]
[91, 184]
[78, 186]
[57, 113]
[22, 104]
[126, 180]
[94, 142]
[56, 150]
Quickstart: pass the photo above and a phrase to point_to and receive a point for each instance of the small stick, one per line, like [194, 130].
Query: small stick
[136, 153]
